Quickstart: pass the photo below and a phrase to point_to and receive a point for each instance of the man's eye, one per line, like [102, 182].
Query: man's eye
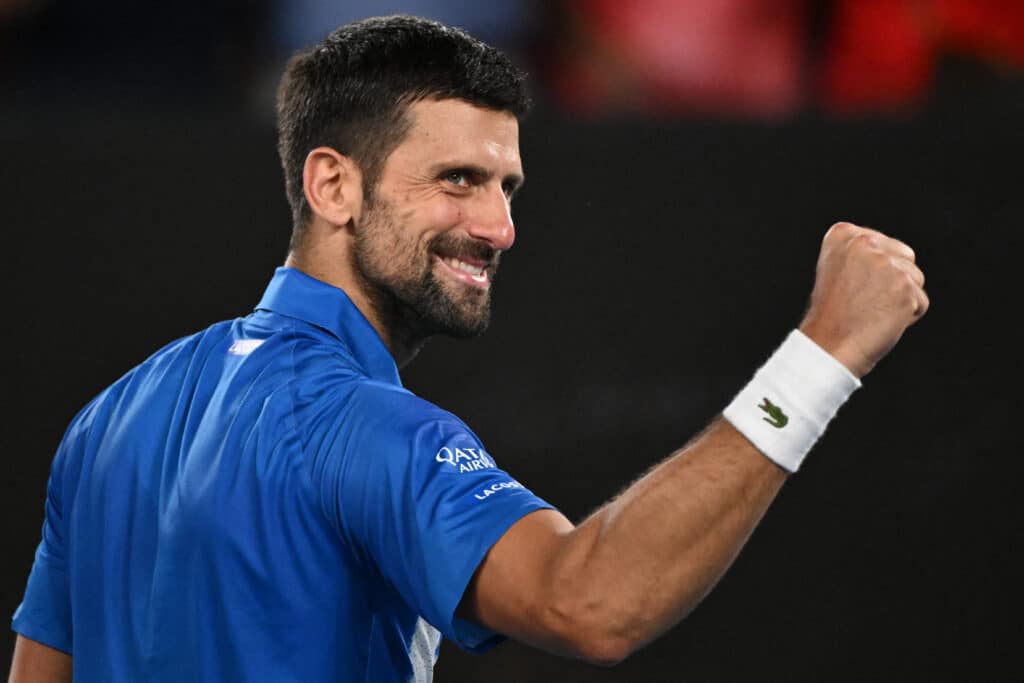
[460, 178]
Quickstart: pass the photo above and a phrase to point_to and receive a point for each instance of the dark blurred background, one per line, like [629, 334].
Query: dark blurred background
[684, 161]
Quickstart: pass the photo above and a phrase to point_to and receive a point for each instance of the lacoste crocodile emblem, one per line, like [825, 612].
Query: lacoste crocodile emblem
[776, 418]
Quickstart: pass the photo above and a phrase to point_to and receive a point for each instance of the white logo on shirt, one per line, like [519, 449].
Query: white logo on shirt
[465, 459]
[243, 347]
[494, 488]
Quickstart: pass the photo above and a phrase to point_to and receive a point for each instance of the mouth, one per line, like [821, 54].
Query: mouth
[470, 271]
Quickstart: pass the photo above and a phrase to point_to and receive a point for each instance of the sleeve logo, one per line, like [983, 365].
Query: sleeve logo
[495, 488]
[465, 459]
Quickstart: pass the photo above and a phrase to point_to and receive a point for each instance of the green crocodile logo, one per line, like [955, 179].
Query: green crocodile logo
[777, 418]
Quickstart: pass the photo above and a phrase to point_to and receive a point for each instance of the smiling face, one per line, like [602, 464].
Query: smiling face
[432, 231]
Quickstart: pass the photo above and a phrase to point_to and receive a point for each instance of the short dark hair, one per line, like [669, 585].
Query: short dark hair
[352, 91]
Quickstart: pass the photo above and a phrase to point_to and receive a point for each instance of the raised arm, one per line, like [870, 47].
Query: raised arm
[641, 563]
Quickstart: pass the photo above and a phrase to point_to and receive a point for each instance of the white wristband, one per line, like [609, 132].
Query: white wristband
[791, 400]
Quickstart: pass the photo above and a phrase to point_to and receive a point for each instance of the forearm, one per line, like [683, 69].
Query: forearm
[642, 562]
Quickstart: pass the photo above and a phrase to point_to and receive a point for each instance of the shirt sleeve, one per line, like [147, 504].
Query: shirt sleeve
[44, 614]
[420, 500]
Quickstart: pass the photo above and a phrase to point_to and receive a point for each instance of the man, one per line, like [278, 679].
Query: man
[264, 501]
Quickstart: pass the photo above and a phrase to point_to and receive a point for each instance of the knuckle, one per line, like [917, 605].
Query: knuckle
[858, 246]
[864, 240]
[842, 228]
[902, 249]
[875, 258]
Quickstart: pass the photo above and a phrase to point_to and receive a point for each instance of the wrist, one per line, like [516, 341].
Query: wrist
[786, 407]
[839, 347]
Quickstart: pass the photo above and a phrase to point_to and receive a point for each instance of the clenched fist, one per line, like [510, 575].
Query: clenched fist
[867, 291]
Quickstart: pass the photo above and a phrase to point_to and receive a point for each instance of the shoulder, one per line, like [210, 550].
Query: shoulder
[94, 419]
[387, 425]
[174, 357]
[396, 410]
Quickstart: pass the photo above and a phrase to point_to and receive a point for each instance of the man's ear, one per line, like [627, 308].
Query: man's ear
[333, 186]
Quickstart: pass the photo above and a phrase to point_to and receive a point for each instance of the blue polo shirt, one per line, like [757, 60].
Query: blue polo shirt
[264, 501]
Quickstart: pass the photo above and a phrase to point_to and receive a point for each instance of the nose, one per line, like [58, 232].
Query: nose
[491, 219]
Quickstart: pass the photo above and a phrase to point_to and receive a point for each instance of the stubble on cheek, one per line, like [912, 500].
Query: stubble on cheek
[386, 254]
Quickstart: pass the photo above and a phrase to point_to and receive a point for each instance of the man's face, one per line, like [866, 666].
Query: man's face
[428, 242]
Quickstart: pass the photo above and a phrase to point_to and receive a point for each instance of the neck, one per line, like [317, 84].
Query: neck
[402, 340]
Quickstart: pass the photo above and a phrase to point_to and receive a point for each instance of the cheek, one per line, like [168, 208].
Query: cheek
[410, 231]
[432, 219]
[442, 213]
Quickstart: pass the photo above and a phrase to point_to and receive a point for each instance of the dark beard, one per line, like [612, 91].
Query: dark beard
[420, 307]
[438, 313]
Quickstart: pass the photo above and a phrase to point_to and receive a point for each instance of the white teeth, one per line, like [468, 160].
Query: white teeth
[475, 271]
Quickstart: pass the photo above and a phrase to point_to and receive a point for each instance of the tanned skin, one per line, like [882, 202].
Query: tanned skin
[38, 663]
[603, 589]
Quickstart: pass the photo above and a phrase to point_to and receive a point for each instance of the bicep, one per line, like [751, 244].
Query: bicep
[514, 588]
[38, 663]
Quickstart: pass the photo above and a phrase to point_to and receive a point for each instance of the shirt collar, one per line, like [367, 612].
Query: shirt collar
[294, 294]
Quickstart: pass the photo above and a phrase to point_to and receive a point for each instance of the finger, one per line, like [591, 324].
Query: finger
[847, 233]
[923, 304]
[844, 232]
[910, 268]
[898, 248]
[891, 245]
